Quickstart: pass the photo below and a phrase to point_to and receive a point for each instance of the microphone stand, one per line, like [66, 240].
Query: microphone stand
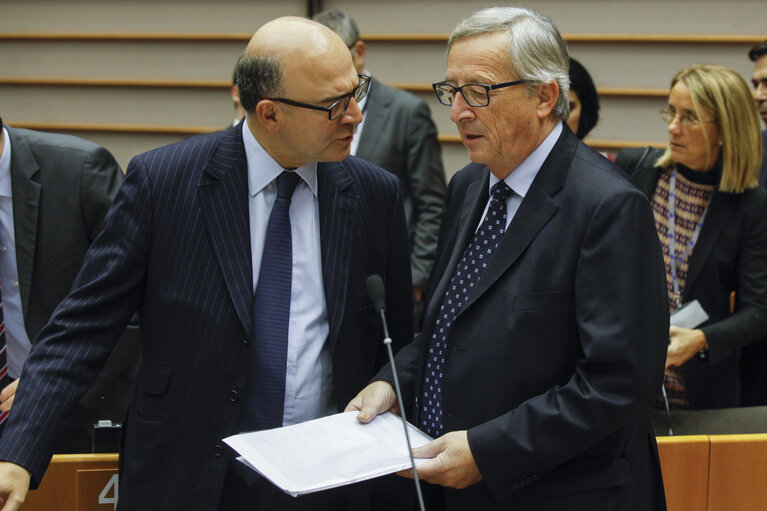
[387, 341]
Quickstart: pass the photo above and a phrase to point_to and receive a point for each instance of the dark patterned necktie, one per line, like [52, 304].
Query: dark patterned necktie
[271, 316]
[3, 355]
[465, 277]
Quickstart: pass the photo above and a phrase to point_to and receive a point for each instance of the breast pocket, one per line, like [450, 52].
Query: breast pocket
[154, 382]
[544, 301]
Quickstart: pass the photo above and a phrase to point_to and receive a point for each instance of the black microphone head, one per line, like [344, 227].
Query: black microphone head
[376, 291]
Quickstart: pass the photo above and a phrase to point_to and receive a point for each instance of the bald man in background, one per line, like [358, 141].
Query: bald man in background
[185, 242]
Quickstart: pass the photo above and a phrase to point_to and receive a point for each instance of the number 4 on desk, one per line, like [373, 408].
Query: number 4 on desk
[104, 495]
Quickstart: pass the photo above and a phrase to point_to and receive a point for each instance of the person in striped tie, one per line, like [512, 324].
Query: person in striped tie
[246, 252]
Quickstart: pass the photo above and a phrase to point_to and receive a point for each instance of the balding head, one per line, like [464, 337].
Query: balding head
[293, 71]
[284, 50]
[290, 37]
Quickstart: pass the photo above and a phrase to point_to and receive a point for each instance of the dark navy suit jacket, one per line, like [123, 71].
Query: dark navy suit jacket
[559, 349]
[176, 246]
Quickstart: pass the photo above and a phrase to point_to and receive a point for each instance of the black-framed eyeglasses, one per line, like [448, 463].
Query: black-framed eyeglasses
[475, 94]
[338, 108]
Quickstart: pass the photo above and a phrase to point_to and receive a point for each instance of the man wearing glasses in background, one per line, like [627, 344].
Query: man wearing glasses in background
[398, 134]
[546, 321]
[246, 257]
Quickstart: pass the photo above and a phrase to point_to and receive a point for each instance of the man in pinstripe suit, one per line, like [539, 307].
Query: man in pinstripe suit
[183, 243]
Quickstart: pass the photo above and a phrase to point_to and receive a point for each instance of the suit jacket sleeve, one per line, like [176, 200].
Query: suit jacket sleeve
[621, 317]
[82, 332]
[749, 320]
[101, 177]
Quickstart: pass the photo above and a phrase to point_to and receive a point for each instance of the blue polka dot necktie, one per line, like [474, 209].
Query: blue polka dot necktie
[465, 277]
[265, 394]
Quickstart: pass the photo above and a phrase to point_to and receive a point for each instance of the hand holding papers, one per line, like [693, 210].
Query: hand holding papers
[328, 452]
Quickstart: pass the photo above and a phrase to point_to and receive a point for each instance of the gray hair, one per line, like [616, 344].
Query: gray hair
[258, 77]
[537, 52]
[340, 23]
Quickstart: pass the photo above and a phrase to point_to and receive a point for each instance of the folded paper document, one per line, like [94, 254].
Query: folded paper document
[328, 452]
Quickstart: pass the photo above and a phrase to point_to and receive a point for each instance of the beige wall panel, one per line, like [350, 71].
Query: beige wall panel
[421, 63]
[117, 105]
[159, 60]
[125, 146]
[653, 65]
[180, 16]
[584, 16]
[637, 119]
[625, 65]
[455, 157]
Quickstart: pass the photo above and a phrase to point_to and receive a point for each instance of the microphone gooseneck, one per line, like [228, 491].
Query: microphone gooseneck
[377, 294]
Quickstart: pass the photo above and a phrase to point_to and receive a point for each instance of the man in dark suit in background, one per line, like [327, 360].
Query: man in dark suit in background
[247, 258]
[758, 55]
[398, 134]
[753, 359]
[55, 191]
[546, 319]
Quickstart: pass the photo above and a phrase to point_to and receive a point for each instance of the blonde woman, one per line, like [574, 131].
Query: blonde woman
[711, 218]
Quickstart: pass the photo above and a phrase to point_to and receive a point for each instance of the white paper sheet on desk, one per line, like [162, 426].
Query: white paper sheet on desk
[328, 452]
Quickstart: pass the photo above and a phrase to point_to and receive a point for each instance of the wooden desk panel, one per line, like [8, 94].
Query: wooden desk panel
[76, 482]
[684, 461]
[738, 473]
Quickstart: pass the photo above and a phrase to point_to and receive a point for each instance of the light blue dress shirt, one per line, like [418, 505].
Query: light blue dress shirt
[16, 339]
[521, 178]
[309, 374]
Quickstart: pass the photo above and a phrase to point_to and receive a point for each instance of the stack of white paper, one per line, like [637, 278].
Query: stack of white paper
[328, 452]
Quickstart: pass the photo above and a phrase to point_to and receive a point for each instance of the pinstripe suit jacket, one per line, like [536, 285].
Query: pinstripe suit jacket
[176, 246]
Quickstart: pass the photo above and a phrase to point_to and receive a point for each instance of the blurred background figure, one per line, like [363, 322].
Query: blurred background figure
[239, 112]
[753, 360]
[55, 191]
[398, 134]
[584, 102]
[711, 218]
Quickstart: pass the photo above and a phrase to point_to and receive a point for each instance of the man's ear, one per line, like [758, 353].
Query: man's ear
[359, 50]
[268, 113]
[548, 94]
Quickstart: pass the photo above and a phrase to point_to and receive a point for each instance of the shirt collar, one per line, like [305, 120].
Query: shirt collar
[5, 166]
[521, 178]
[263, 169]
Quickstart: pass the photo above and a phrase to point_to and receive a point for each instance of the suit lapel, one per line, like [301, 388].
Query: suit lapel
[474, 201]
[534, 212]
[376, 112]
[223, 193]
[26, 205]
[338, 203]
[720, 210]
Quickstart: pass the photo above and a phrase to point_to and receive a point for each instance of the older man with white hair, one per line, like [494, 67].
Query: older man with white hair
[546, 320]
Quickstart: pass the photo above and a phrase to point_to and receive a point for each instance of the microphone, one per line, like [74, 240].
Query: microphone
[377, 294]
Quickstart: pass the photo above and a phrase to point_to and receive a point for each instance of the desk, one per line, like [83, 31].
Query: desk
[76, 482]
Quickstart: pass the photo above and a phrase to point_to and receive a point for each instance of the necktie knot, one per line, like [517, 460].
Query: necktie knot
[286, 184]
[501, 191]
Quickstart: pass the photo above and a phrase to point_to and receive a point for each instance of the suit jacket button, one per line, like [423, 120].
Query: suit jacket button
[245, 340]
[218, 450]
[234, 396]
